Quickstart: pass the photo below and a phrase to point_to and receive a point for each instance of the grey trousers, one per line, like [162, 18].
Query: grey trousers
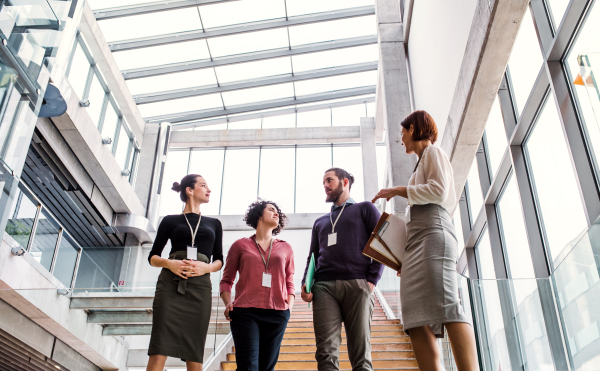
[351, 302]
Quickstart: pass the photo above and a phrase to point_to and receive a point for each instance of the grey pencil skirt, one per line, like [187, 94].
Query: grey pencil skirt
[181, 314]
[429, 282]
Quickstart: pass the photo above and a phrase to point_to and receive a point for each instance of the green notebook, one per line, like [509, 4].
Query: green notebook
[310, 274]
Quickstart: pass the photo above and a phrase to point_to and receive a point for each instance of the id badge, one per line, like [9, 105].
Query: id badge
[332, 239]
[407, 214]
[192, 253]
[266, 280]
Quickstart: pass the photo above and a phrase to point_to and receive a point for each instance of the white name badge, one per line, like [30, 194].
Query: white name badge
[192, 253]
[407, 213]
[266, 281]
[332, 239]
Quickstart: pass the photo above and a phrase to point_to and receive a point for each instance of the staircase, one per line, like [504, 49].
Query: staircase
[390, 346]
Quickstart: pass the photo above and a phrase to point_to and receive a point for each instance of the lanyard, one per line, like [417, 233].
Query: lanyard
[266, 263]
[336, 219]
[197, 225]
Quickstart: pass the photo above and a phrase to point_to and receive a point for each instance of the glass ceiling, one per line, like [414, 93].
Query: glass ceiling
[234, 14]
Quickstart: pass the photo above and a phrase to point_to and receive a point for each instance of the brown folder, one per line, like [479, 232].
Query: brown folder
[376, 255]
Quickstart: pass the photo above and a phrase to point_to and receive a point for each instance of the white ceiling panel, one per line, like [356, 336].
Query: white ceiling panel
[299, 7]
[181, 105]
[333, 58]
[235, 12]
[164, 54]
[248, 42]
[336, 83]
[326, 31]
[237, 97]
[253, 70]
[172, 81]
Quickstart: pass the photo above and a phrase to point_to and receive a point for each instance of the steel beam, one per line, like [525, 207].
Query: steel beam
[258, 106]
[254, 83]
[178, 37]
[274, 113]
[249, 57]
[152, 7]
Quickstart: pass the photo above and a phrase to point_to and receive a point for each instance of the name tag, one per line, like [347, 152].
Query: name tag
[266, 280]
[192, 253]
[407, 214]
[332, 239]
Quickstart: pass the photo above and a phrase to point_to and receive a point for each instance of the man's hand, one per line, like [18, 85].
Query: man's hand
[306, 296]
[371, 286]
[228, 308]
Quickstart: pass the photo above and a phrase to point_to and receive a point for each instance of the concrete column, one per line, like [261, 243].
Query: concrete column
[396, 93]
[369, 156]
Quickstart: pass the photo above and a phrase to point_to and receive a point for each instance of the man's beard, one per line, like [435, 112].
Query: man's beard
[335, 194]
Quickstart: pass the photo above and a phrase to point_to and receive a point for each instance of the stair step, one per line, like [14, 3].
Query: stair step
[312, 348]
[312, 365]
[374, 334]
[373, 328]
[310, 356]
[396, 339]
[304, 323]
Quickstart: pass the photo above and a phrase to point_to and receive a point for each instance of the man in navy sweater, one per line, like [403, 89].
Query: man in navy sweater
[344, 278]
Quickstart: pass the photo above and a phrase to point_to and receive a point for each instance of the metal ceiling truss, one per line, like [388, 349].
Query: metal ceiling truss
[178, 37]
[258, 106]
[254, 83]
[249, 57]
[152, 7]
[274, 113]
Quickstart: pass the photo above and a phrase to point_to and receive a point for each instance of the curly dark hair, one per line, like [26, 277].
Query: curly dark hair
[255, 212]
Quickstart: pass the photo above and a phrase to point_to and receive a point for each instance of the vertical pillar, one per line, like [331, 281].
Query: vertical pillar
[395, 93]
[369, 157]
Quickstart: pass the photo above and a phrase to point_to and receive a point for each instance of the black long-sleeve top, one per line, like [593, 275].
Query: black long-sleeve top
[209, 238]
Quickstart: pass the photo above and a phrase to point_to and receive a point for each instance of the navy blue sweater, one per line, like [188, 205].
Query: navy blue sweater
[344, 260]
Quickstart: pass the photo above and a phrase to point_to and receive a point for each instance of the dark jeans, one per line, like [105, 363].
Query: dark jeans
[257, 335]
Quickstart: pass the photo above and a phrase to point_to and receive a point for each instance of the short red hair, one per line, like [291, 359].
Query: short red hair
[424, 125]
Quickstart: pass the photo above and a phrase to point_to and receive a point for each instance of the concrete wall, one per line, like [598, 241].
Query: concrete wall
[439, 30]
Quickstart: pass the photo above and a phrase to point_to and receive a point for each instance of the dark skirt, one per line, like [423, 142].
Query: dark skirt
[181, 314]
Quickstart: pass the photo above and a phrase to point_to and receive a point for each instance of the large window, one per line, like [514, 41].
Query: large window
[485, 259]
[495, 135]
[554, 182]
[311, 164]
[277, 177]
[475, 195]
[240, 180]
[209, 164]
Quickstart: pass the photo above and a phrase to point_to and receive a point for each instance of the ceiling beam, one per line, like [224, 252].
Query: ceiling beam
[273, 113]
[258, 106]
[178, 37]
[152, 7]
[249, 57]
[254, 83]
[265, 137]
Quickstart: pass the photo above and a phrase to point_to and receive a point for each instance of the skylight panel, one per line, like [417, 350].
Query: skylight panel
[248, 42]
[234, 98]
[332, 58]
[163, 54]
[151, 24]
[235, 12]
[284, 121]
[299, 7]
[336, 83]
[181, 105]
[247, 124]
[252, 70]
[172, 81]
[105, 4]
[348, 116]
[314, 118]
[333, 30]
[212, 127]
[335, 101]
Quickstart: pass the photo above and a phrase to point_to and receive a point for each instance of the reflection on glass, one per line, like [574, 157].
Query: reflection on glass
[557, 8]
[512, 224]
[277, 173]
[496, 142]
[175, 169]
[240, 180]
[350, 159]
[209, 164]
[475, 194]
[44, 241]
[564, 218]
[122, 147]
[96, 98]
[21, 218]
[65, 260]
[485, 261]
[311, 164]
[525, 61]
[583, 66]
[80, 67]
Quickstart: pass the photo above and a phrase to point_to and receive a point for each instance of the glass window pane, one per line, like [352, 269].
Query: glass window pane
[176, 106]
[336, 83]
[299, 7]
[512, 225]
[350, 159]
[96, 268]
[583, 65]
[21, 218]
[557, 8]
[104, 4]
[333, 58]
[265, 93]
[248, 42]
[277, 169]
[254, 70]
[163, 54]
[44, 241]
[122, 147]
[96, 98]
[314, 118]
[475, 195]
[563, 218]
[484, 257]
[175, 169]
[229, 13]
[333, 30]
[209, 164]
[65, 260]
[284, 121]
[246, 124]
[525, 61]
[311, 164]
[172, 81]
[496, 142]
[349, 115]
[109, 127]
[80, 67]
[240, 180]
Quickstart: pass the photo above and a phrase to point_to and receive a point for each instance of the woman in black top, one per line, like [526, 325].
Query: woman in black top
[182, 302]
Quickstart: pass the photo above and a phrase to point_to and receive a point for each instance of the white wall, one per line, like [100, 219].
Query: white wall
[438, 37]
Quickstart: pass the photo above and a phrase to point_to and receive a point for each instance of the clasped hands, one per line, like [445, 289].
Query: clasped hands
[188, 268]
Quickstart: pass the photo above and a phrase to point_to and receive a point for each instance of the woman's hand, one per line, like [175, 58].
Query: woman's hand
[179, 267]
[399, 271]
[386, 193]
[228, 308]
[197, 268]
